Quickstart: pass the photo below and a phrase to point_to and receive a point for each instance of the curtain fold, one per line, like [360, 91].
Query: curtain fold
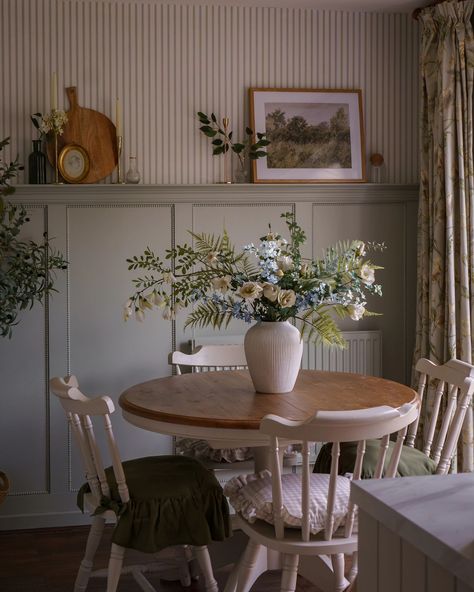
[445, 290]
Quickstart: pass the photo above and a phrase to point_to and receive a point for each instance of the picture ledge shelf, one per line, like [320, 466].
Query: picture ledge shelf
[218, 193]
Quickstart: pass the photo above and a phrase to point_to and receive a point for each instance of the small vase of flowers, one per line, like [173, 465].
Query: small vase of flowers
[270, 283]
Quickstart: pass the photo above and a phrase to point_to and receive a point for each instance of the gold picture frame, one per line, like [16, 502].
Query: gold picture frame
[332, 122]
[73, 163]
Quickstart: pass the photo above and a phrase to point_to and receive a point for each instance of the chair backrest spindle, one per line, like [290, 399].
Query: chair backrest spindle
[211, 358]
[80, 410]
[446, 391]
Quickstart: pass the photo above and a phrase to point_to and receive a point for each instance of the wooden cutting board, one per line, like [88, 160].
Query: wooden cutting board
[94, 132]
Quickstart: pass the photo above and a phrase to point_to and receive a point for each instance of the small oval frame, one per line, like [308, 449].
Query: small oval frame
[66, 173]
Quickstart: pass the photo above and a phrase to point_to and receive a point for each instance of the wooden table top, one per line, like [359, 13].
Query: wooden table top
[228, 399]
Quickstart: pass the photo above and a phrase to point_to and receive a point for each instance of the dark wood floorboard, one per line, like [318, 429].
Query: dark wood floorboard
[46, 560]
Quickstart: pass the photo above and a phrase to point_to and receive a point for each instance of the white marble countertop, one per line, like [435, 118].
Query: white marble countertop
[435, 514]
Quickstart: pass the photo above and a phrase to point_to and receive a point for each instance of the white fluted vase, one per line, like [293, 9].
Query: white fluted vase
[273, 351]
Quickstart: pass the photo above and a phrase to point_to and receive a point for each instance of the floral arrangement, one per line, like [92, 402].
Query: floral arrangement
[268, 282]
[51, 122]
[223, 139]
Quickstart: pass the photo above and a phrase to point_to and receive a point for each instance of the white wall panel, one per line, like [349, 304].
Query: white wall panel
[166, 62]
[107, 354]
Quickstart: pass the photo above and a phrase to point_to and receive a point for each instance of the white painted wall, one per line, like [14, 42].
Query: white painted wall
[167, 61]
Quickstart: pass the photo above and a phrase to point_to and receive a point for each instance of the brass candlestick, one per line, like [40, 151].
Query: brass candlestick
[56, 167]
[120, 180]
[225, 125]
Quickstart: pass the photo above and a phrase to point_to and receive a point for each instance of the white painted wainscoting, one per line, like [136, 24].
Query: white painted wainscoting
[80, 330]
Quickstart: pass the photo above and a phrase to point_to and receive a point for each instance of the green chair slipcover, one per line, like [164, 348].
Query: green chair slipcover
[412, 461]
[174, 500]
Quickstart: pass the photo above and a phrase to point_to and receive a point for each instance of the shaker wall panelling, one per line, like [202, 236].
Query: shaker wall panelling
[165, 62]
[81, 331]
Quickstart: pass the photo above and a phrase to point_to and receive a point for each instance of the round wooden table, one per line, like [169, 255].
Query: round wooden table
[223, 407]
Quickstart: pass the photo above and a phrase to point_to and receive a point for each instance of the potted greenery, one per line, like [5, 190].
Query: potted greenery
[26, 267]
[223, 142]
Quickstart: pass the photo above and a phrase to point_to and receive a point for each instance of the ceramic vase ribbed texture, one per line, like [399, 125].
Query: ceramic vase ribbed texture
[273, 352]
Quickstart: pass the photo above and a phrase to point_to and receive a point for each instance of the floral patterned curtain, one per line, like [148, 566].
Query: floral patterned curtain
[445, 299]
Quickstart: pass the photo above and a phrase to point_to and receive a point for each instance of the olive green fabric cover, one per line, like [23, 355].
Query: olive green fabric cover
[174, 500]
[412, 461]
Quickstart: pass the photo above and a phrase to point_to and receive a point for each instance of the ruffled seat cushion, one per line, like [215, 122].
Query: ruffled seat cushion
[174, 500]
[412, 461]
[251, 496]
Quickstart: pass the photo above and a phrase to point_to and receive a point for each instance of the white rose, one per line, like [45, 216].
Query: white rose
[356, 311]
[270, 291]
[367, 274]
[285, 263]
[221, 284]
[250, 291]
[286, 298]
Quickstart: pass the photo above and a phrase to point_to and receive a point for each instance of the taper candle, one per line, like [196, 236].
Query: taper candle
[118, 118]
[54, 92]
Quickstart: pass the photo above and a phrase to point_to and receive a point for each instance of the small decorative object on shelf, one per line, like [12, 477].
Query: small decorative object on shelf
[132, 176]
[37, 165]
[223, 142]
[52, 123]
[270, 283]
[73, 163]
[119, 138]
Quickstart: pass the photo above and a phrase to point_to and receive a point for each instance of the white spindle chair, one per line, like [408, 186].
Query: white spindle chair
[329, 426]
[209, 358]
[80, 411]
[450, 388]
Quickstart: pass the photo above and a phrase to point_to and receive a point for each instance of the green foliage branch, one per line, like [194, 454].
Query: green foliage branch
[27, 268]
[223, 140]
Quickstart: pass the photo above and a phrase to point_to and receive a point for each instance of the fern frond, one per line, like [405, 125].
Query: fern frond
[208, 313]
[247, 268]
[320, 327]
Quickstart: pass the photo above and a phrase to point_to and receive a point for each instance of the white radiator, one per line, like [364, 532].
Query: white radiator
[363, 354]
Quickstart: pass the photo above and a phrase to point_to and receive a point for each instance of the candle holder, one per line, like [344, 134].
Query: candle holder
[56, 167]
[120, 180]
[227, 176]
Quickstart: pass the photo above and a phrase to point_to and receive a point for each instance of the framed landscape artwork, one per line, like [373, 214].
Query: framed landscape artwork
[316, 136]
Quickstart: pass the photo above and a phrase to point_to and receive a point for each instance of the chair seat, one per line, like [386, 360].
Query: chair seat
[174, 500]
[412, 461]
[251, 496]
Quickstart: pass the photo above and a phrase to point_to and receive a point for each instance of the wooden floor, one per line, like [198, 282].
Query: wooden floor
[46, 560]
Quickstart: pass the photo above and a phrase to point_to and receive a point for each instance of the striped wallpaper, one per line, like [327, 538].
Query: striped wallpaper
[166, 61]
